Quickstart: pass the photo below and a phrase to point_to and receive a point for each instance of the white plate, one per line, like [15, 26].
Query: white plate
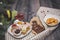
[21, 35]
[51, 16]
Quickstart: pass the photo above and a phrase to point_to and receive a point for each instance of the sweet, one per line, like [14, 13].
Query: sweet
[37, 26]
[19, 16]
[28, 28]
[13, 26]
[51, 21]
[17, 31]
[25, 29]
[19, 22]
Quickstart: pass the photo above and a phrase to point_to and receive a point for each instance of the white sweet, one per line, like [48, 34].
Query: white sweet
[15, 22]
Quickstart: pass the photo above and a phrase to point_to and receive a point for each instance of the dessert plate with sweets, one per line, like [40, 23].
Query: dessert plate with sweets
[19, 29]
[51, 20]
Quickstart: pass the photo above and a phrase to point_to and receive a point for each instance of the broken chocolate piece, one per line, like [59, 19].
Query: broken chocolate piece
[37, 25]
